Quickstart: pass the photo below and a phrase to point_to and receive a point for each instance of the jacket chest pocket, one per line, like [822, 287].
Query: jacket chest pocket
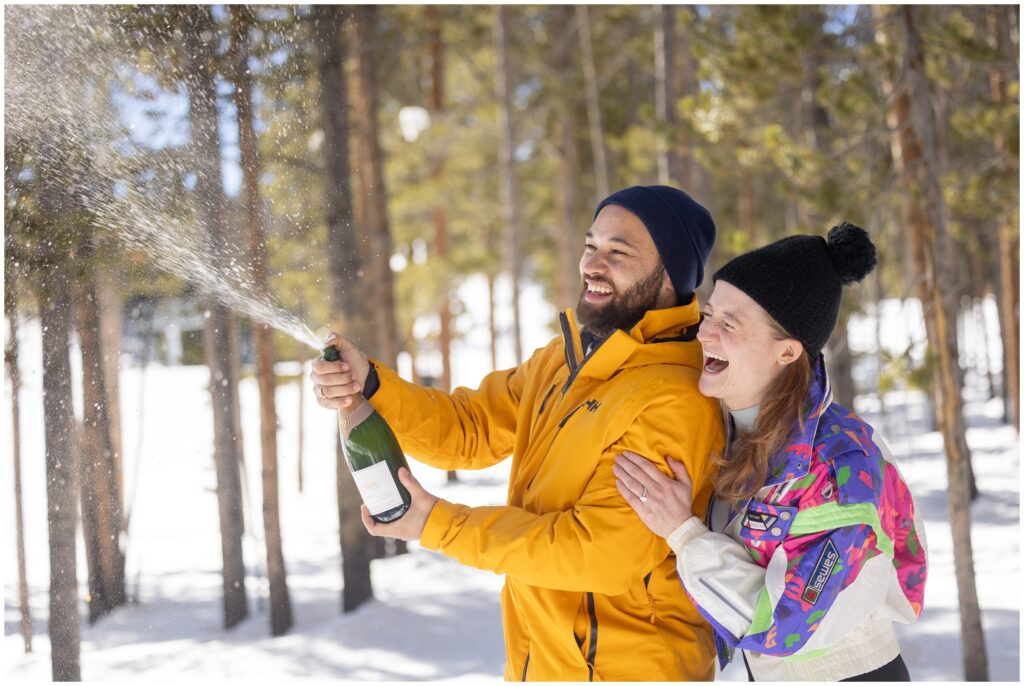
[766, 523]
[573, 439]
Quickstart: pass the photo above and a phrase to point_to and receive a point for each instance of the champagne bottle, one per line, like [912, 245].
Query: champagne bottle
[373, 455]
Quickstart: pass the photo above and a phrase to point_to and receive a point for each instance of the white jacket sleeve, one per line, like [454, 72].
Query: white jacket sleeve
[719, 574]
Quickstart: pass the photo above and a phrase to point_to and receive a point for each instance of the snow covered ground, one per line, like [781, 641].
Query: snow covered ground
[432, 618]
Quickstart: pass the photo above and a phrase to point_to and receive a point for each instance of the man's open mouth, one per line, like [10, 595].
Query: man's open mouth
[598, 292]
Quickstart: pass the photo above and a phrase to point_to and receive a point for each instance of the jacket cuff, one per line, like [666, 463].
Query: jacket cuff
[372, 384]
[387, 394]
[684, 533]
[438, 522]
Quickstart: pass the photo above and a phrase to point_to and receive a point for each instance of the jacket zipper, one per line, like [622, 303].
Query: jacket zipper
[570, 352]
[592, 651]
[544, 402]
[574, 372]
[553, 437]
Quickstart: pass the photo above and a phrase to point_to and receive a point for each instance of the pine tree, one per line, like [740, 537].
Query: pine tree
[101, 498]
[199, 35]
[346, 286]
[942, 307]
[280, 602]
[53, 264]
[11, 360]
[509, 184]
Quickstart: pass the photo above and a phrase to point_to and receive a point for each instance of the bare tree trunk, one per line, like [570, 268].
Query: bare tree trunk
[567, 232]
[435, 47]
[11, 365]
[509, 191]
[945, 301]
[814, 122]
[374, 227]
[696, 180]
[233, 236]
[692, 174]
[266, 379]
[59, 428]
[380, 307]
[877, 294]
[998, 18]
[840, 363]
[906, 155]
[101, 501]
[217, 344]
[665, 95]
[435, 103]
[593, 103]
[61, 484]
[346, 286]
[746, 206]
[110, 343]
[492, 325]
[814, 125]
[984, 359]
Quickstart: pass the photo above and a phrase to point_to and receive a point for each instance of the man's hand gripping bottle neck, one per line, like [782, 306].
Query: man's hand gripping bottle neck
[373, 455]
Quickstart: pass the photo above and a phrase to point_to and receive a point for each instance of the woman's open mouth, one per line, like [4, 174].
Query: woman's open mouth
[713, 364]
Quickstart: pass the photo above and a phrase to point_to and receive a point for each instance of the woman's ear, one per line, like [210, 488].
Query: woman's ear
[792, 350]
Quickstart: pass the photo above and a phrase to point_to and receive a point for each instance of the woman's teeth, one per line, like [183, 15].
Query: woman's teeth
[714, 364]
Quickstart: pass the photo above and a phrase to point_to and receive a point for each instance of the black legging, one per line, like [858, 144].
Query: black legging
[893, 671]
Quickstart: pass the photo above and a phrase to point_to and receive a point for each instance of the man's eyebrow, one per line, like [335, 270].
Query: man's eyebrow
[615, 239]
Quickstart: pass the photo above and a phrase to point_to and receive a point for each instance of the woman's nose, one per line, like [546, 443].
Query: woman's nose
[704, 330]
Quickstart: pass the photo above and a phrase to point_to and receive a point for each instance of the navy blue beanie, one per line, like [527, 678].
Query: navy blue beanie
[682, 229]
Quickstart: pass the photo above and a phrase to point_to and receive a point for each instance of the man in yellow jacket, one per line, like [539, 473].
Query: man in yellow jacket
[590, 592]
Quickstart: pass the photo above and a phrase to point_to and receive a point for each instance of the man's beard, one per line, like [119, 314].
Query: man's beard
[624, 310]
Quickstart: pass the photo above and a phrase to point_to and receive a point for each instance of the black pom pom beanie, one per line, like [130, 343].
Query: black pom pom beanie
[799, 280]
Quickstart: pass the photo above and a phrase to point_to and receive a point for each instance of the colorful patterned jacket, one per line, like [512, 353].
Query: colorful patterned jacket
[808, 576]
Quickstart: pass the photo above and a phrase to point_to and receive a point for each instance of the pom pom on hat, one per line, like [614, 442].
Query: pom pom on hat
[852, 252]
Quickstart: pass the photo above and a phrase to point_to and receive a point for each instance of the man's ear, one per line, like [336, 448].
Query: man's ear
[668, 291]
[792, 349]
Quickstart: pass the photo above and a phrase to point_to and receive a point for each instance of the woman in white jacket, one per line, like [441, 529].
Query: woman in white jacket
[812, 546]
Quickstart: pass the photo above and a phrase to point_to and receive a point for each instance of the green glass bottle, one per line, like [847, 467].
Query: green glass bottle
[373, 456]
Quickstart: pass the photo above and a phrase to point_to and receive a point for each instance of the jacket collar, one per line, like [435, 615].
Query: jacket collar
[794, 459]
[659, 337]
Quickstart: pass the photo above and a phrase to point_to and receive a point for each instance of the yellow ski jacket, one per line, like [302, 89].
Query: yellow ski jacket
[590, 592]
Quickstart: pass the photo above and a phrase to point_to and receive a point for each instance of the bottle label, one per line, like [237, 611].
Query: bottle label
[377, 488]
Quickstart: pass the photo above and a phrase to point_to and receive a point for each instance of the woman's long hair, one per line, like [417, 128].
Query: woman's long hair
[743, 468]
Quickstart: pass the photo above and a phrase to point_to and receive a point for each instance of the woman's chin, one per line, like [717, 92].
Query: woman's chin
[709, 384]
